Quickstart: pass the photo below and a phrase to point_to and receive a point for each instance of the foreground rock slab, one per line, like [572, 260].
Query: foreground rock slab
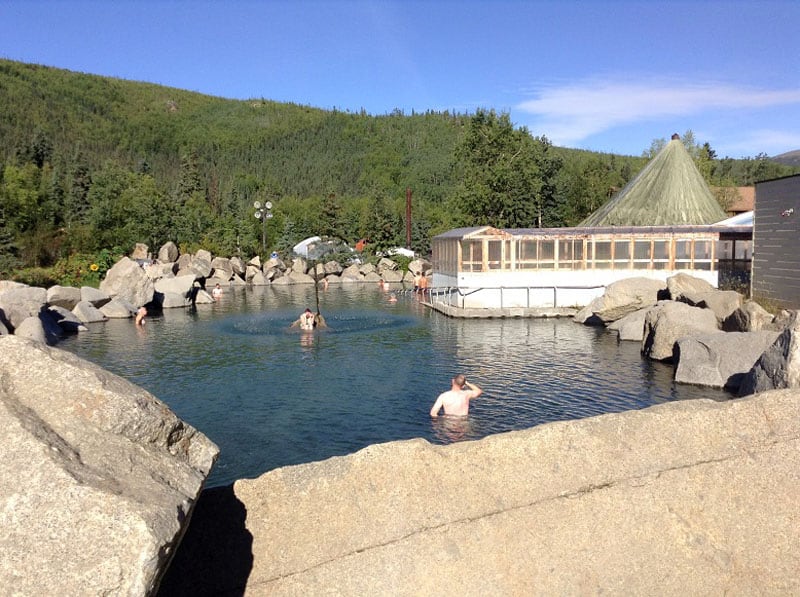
[97, 481]
[685, 498]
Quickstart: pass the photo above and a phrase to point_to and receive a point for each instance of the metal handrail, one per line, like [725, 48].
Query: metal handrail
[450, 290]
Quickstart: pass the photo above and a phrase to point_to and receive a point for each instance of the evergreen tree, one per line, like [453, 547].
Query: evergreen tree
[508, 175]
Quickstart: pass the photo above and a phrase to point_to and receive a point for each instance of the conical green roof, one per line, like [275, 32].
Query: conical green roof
[669, 191]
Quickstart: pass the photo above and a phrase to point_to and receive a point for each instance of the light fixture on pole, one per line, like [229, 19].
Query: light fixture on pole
[263, 213]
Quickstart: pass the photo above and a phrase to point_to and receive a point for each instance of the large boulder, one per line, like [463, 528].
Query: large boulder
[140, 252]
[127, 280]
[156, 271]
[300, 265]
[66, 320]
[682, 284]
[177, 285]
[183, 262]
[779, 366]
[352, 274]
[387, 264]
[626, 296]
[420, 266]
[586, 314]
[31, 328]
[332, 268]
[669, 321]
[10, 284]
[238, 266]
[686, 498]
[97, 481]
[393, 276]
[631, 326]
[222, 268]
[749, 317]
[722, 302]
[258, 278]
[201, 267]
[168, 253]
[720, 359]
[204, 255]
[171, 300]
[118, 309]
[367, 268]
[88, 313]
[63, 296]
[17, 304]
[97, 297]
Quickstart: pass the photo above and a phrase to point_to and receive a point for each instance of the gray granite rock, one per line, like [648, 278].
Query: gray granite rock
[96, 297]
[63, 296]
[88, 313]
[779, 365]
[97, 481]
[669, 321]
[168, 252]
[720, 359]
[127, 280]
[626, 296]
[118, 309]
[19, 303]
[685, 498]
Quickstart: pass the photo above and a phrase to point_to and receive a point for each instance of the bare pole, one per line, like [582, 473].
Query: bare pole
[408, 217]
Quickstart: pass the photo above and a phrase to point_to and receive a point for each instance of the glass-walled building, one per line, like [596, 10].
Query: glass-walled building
[564, 267]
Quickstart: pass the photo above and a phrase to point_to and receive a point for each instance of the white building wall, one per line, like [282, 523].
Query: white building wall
[486, 290]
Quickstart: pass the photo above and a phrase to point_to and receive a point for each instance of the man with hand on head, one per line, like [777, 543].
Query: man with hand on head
[456, 400]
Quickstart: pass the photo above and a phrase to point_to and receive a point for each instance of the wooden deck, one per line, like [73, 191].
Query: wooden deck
[506, 312]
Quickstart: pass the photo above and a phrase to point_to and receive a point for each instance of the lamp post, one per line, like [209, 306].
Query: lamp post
[263, 213]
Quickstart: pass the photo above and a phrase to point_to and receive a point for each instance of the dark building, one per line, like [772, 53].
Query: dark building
[776, 242]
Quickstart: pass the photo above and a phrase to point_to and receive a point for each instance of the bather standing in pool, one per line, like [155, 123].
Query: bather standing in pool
[456, 400]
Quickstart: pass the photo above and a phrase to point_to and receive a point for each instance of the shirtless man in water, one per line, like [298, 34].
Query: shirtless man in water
[456, 400]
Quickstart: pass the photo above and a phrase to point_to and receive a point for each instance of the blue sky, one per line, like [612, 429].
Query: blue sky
[608, 76]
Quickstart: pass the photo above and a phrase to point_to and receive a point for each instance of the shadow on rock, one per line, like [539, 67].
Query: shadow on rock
[215, 556]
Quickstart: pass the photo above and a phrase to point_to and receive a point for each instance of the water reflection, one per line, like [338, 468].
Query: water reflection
[270, 396]
[447, 429]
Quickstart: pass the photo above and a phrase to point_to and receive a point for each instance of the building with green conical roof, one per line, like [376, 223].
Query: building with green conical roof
[669, 191]
[665, 221]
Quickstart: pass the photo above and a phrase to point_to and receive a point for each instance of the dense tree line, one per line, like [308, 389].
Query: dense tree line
[90, 163]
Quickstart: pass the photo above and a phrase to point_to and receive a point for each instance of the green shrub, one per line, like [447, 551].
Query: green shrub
[79, 269]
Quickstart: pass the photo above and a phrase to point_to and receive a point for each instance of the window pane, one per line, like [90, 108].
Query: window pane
[743, 249]
[602, 250]
[683, 249]
[527, 250]
[702, 249]
[622, 250]
[660, 250]
[565, 250]
[641, 249]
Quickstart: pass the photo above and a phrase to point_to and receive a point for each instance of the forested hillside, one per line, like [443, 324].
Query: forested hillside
[91, 163]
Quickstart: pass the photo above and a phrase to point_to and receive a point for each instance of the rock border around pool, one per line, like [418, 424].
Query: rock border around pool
[712, 337]
[173, 280]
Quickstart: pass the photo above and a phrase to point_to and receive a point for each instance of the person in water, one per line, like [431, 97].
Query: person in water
[217, 292]
[307, 320]
[456, 400]
[140, 315]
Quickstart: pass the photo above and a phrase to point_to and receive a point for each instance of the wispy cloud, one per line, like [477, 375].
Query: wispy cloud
[770, 141]
[572, 112]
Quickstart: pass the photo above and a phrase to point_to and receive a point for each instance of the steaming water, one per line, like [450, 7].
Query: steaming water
[270, 396]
